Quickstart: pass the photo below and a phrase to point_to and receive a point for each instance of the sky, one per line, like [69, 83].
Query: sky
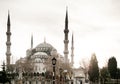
[95, 24]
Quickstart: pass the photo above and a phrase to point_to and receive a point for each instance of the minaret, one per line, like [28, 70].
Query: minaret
[31, 41]
[8, 43]
[72, 51]
[66, 41]
[44, 39]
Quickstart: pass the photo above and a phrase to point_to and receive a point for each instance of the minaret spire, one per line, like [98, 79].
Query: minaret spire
[72, 50]
[44, 39]
[66, 19]
[31, 41]
[66, 41]
[8, 43]
[8, 21]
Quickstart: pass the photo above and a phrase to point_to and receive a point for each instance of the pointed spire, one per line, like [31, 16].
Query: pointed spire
[8, 43]
[44, 39]
[72, 39]
[72, 51]
[66, 40]
[8, 21]
[66, 19]
[31, 41]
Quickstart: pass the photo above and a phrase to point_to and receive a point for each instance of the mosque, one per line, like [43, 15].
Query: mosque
[42, 51]
[37, 57]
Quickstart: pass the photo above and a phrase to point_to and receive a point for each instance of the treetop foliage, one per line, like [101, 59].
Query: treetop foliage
[93, 69]
[112, 67]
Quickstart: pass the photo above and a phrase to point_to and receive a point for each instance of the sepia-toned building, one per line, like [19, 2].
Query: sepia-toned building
[37, 57]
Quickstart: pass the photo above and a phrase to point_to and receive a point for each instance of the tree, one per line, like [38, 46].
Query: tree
[59, 64]
[93, 71]
[112, 67]
[85, 64]
[104, 74]
[25, 64]
[118, 73]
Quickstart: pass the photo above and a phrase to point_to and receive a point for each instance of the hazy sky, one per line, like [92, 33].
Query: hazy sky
[95, 23]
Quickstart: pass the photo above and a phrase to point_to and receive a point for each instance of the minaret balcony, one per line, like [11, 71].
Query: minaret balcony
[8, 53]
[66, 41]
[66, 31]
[8, 43]
[8, 33]
[66, 52]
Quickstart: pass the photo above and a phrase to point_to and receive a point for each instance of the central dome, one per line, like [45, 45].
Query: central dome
[44, 47]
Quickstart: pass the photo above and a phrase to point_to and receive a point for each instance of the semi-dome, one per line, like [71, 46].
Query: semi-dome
[44, 47]
[41, 53]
